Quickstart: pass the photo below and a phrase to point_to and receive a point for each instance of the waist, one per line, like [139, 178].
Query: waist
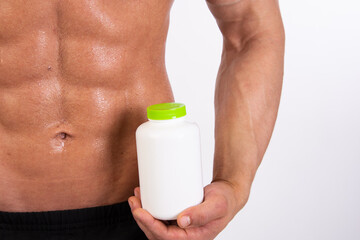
[82, 156]
[84, 173]
[66, 220]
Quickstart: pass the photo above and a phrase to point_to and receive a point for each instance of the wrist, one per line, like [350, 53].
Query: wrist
[240, 190]
[235, 163]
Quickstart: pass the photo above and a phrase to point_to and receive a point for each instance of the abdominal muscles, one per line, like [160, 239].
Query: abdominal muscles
[70, 103]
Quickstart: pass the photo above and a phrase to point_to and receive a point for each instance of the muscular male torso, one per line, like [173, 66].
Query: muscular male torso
[75, 80]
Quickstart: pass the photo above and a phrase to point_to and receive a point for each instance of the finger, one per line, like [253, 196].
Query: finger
[135, 203]
[137, 192]
[152, 227]
[214, 207]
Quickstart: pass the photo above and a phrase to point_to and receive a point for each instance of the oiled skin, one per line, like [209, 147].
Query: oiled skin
[75, 80]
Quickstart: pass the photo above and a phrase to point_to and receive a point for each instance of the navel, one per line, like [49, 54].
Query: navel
[62, 136]
[59, 141]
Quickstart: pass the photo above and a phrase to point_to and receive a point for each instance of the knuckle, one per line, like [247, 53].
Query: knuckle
[201, 218]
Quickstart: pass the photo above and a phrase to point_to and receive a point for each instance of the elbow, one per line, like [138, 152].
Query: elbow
[274, 38]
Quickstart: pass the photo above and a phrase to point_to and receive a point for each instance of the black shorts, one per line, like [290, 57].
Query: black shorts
[96, 223]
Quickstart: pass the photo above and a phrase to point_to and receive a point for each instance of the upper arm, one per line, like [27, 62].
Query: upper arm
[242, 20]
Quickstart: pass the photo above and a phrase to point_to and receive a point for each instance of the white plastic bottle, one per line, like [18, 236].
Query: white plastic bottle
[169, 161]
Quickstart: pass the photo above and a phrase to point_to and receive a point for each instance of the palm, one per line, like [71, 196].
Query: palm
[208, 218]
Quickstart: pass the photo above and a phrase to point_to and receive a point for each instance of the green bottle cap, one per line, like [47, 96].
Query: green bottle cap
[165, 111]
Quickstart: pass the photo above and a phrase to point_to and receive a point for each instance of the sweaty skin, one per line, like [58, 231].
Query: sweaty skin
[75, 80]
[76, 77]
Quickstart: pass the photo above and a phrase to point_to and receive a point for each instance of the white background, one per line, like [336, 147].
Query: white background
[308, 186]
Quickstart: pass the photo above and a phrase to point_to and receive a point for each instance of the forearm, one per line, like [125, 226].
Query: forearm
[247, 96]
[246, 101]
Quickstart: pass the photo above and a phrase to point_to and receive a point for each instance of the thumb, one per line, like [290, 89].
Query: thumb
[213, 207]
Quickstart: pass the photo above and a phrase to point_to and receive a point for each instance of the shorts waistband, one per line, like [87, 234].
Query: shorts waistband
[61, 220]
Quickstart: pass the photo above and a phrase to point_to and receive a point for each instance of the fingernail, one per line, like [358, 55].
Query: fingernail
[184, 221]
[130, 204]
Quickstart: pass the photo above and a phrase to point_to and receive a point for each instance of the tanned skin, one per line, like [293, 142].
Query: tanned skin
[75, 80]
